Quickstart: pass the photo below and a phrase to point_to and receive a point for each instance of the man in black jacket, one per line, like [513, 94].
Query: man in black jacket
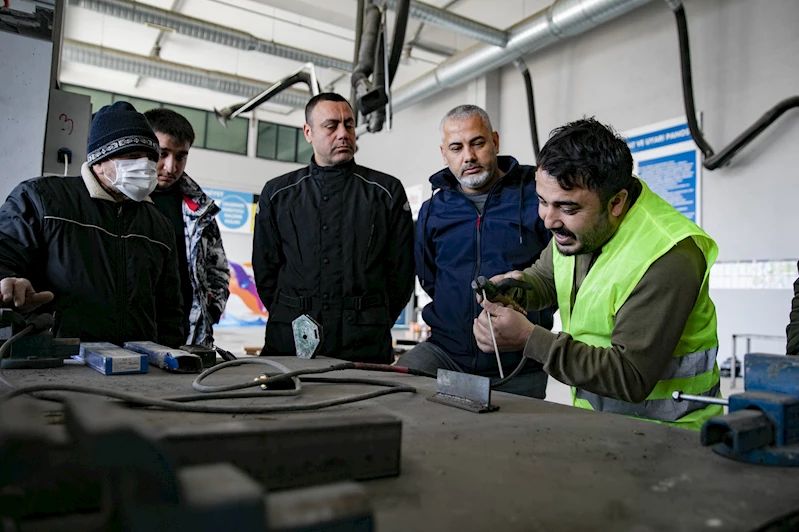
[93, 248]
[334, 241]
[793, 327]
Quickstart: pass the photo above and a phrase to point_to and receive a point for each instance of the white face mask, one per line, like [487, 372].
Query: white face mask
[136, 178]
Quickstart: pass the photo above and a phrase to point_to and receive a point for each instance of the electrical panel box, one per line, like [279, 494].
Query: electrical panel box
[67, 132]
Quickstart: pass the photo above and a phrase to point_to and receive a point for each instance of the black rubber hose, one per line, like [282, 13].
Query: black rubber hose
[515, 372]
[378, 117]
[711, 160]
[366, 53]
[725, 155]
[358, 32]
[174, 406]
[398, 40]
[528, 82]
[687, 82]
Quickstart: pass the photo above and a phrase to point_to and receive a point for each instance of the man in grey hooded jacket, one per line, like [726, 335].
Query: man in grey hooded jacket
[202, 264]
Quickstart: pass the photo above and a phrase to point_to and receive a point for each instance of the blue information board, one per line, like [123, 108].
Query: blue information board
[236, 209]
[668, 161]
[673, 178]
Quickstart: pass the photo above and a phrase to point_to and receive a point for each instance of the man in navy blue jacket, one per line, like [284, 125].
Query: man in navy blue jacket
[482, 220]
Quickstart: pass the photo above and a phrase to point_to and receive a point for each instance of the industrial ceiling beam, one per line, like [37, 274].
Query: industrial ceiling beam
[156, 68]
[207, 31]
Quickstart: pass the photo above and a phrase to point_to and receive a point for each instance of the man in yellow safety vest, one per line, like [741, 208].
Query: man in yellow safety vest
[629, 274]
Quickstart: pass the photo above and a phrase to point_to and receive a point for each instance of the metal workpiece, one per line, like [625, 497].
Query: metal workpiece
[307, 336]
[292, 453]
[131, 481]
[464, 391]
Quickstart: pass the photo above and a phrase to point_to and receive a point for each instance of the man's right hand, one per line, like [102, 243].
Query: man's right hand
[516, 274]
[19, 293]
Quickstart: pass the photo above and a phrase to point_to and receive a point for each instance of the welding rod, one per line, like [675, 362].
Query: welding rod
[679, 396]
[494, 339]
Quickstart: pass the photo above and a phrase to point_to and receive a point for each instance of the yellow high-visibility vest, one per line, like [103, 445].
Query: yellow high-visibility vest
[650, 229]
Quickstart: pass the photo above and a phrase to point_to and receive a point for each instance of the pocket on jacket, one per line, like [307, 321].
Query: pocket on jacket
[366, 330]
[370, 243]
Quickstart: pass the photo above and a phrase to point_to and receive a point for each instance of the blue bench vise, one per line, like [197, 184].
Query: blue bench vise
[38, 349]
[762, 426]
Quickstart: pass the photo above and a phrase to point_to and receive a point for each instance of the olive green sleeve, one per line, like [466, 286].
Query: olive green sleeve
[542, 276]
[647, 329]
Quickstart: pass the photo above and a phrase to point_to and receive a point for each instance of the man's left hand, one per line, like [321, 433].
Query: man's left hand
[511, 328]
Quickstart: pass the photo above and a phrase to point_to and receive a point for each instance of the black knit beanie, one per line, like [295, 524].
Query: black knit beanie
[119, 129]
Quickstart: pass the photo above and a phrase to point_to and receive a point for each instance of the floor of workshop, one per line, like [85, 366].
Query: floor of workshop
[234, 339]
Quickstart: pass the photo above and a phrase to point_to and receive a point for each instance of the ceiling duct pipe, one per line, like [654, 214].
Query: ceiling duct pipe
[356, 52]
[305, 74]
[366, 54]
[164, 70]
[206, 31]
[561, 20]
[447, 20]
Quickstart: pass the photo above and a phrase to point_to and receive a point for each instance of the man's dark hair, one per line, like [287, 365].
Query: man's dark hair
[169, 122]
[322, 97]
[588, 154]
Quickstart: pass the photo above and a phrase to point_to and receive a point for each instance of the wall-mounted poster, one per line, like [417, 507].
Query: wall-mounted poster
[667, 159]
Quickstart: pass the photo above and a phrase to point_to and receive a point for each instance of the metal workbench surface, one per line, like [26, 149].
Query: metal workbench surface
[533, 465]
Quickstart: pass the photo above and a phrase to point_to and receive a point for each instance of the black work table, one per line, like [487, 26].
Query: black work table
[532, 465]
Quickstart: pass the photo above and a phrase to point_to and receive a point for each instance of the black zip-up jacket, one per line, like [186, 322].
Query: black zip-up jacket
[335, 243]
[792, 331]
[111, 265]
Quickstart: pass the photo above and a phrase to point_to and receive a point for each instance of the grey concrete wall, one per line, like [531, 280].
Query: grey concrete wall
[627, 73]
[25, 67]
[410, 152]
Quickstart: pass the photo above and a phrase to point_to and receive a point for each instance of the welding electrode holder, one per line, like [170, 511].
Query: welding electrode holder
[497, 291]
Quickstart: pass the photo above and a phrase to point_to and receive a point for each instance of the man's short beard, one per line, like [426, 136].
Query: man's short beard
[593, 240]
[475, 181]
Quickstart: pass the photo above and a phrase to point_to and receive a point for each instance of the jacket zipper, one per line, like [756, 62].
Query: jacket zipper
[478, 259]
[369, 243]
[121, 291]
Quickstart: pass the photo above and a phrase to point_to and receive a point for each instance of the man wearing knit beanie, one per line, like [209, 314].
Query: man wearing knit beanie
[93, 249]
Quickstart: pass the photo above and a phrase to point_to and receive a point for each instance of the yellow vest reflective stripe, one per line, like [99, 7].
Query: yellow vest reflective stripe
[650, 229]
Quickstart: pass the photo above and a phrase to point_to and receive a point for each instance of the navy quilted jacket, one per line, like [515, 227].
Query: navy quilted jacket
[454, 245]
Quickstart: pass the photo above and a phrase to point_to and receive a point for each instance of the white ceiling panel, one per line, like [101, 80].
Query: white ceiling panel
[189, 51]
[163, 4]
[259, 25]
[309, 39]
[94, 77]
[265, 67]
[83, 25]
[127, 36]
[319, 26]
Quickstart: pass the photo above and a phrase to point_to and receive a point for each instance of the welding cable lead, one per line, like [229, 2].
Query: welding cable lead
[494, 339]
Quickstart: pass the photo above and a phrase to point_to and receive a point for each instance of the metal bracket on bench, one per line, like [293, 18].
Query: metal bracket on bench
[462, 390]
